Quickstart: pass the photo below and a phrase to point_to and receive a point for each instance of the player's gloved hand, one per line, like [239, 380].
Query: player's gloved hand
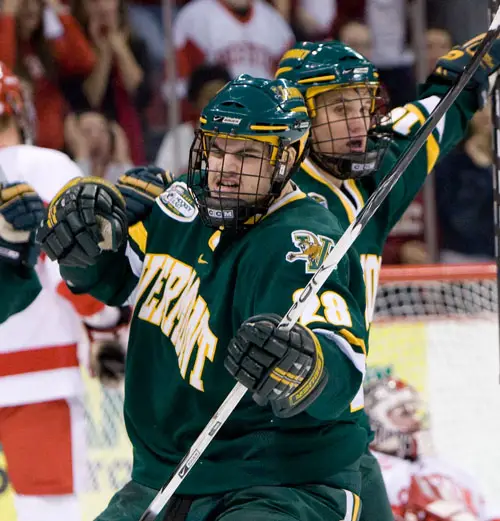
[285, 368]
[107, 347]
[21, 211]
[140, 187]
[449, 66]
[86, 217]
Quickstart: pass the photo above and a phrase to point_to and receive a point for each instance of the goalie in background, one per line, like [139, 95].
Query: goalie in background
[420, 485]
[41, 389]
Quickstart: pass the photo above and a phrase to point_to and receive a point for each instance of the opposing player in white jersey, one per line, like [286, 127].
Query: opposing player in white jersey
[41, 411]
[421, 486]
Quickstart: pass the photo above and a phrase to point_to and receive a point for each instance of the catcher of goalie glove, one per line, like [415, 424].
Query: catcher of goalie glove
[140, 187]
[21, 210]
[284, 368]
[86, 217]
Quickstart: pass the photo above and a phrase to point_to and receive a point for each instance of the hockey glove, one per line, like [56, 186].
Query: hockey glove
[285, 368]
[448, 67]
[86, 217]
[21, 211]
[140, 187]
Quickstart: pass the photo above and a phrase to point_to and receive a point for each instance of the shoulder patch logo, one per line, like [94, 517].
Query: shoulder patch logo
[177, 202]
[321, 199]
[312, 249]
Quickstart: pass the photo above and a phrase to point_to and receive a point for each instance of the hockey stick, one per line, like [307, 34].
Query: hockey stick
[324, 271]
[493, 7]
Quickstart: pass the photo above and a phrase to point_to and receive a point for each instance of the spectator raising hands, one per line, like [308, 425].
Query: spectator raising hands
[44, 45]
[99, 146]
[119, 84]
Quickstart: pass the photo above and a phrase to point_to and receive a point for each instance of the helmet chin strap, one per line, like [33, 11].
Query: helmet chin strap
[347, 166]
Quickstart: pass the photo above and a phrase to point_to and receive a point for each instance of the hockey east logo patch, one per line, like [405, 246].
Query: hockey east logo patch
[177, 202]
[312, 249]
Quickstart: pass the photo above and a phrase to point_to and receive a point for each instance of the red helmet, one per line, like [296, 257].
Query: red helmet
[394, 408]
[15, 101]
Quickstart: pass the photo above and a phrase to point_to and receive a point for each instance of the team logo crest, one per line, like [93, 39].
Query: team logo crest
[178, 203]
[312, 249]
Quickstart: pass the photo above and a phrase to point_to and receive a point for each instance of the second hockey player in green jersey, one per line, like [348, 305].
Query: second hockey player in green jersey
[213, 267]
[353, 148]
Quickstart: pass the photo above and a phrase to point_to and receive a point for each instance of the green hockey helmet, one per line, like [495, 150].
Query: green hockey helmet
[253, 135]
[339, 139]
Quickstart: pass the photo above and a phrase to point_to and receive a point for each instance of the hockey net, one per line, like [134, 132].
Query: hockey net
[437, 328]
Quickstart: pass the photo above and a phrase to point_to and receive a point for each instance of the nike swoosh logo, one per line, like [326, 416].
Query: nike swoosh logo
[201, 260]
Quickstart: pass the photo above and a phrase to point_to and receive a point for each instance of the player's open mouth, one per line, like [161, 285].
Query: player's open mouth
[356, 145]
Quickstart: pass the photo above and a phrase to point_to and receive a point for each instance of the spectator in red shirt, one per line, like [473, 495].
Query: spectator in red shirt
[119, 86]
[43, 44]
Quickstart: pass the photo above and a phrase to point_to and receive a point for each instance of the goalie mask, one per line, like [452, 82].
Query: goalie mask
[394, 409]
[15, 102]
[345, 103]
[252, 138]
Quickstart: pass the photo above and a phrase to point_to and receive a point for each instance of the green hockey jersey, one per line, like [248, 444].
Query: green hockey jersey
[346, 201]
[193, 287]
[19, 286]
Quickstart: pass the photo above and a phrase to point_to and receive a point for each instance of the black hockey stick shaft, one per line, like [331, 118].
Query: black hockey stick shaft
[495, 108]
[329, 264]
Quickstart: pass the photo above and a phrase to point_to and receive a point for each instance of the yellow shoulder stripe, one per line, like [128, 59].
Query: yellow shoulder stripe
[139, 235]
[431, 146]
[348, 206]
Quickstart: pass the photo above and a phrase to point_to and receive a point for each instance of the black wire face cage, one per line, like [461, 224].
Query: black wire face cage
[346, 136]
[235, 179]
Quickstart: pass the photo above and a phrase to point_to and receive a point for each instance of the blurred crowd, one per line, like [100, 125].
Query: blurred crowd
[97, 71]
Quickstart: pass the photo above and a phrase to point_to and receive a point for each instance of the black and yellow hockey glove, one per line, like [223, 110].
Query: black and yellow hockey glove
[86, 217]
[284, 368]
[21, 211]
[450, 65]
[140, 187]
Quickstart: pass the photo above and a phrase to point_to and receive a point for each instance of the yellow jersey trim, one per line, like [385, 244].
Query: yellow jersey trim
[139, 235]
[317, 176]
[431, 145]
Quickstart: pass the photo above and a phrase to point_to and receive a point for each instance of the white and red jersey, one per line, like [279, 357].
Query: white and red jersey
[39, 358]
[432, 490]
[207, 31]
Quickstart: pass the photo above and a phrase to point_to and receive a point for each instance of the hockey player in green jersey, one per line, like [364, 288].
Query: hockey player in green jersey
[212, 268]
[21, 209]
[353, 148]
